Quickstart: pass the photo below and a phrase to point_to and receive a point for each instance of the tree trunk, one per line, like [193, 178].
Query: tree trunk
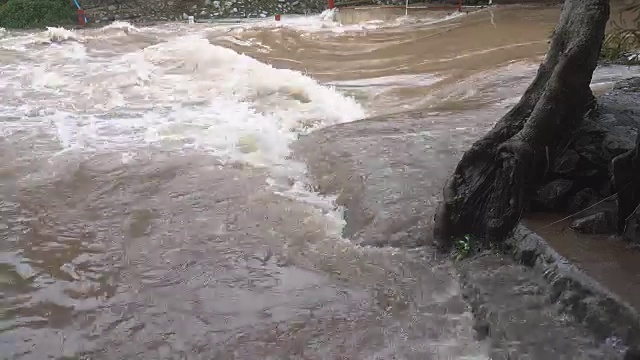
[485, 196]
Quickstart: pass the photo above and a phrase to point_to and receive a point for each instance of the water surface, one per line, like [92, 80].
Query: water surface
[150, 206]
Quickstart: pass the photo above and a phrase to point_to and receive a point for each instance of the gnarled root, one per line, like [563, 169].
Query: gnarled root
[486, 194]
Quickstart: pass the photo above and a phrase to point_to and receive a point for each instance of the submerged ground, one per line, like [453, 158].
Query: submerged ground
[151, 205]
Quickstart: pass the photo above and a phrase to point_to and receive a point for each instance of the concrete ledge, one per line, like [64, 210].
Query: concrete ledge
[602, 311]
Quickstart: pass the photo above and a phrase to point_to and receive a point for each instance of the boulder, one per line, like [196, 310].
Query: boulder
[553, 195]
[566, 163]
[582, 200]
[632, 353]
[593, 224]
[625, 171]
[632, 227]
[608, 132]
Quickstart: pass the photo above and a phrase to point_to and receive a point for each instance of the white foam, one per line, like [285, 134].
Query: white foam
[59, 34]
[120, 25]
[182, 93]
[328, 15]
[324, 22]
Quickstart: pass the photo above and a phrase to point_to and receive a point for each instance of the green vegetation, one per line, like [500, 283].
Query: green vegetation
[620, 44]
[623, 39]
[36, 13]
[464, 248]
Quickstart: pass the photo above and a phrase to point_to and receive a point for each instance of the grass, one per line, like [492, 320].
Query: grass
[21, 14]
[623, 39]
[620, 45]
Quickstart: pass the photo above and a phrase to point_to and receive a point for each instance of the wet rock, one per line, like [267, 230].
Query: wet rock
[616, 144]
[632, 227]
[567, 162]
[155, 10]
[512, 308]
[632, 354]
[482, 329]
[625, 170]
[582, 200]
[586, 300]
[552, 195]
[610, 130]
[593, 224]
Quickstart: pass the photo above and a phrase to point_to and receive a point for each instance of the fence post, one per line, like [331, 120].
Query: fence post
[82, 20]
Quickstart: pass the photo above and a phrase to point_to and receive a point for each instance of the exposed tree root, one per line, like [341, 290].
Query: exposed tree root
[487, 192]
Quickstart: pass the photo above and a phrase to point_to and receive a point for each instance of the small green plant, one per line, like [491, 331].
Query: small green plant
[21, 14]
[463, 248]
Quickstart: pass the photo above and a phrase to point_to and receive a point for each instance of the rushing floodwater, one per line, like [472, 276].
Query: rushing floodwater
[150, 206]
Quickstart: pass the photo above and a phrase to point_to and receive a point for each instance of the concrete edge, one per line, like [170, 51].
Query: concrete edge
[589, 302]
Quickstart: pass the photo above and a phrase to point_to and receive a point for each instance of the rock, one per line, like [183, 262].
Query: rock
[632, 353]
[611, 130]
[566, 163]
[593, 224]
[632, 227]
[582, 200]
[625, 170]
[515, 302]
[552, 195]
[615, 145]
[482, 329]
[185, 16]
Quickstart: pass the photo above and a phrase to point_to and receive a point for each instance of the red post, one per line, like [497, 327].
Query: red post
[331, 4]
[81, 17]
[277, 17]
[460, 6]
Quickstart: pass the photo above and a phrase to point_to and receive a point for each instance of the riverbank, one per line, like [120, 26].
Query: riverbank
[584, 272]
[508, 290]
[171, 10]
[100, 12]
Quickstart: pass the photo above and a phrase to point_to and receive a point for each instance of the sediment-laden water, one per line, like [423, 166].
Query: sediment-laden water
[151, 206]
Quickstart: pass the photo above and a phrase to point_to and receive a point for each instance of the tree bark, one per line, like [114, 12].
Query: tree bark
[485, 196]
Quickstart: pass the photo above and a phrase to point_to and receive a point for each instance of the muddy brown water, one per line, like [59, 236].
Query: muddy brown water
[606, 258]
[150, 206]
